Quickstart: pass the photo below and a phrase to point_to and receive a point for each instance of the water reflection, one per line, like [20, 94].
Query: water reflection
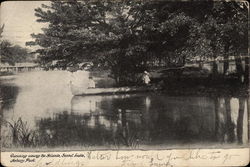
[133, 120]
[229, 119]
[55, 118]
[8, 95]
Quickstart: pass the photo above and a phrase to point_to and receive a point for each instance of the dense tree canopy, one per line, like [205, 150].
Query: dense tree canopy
[11, 53]
[126, 36]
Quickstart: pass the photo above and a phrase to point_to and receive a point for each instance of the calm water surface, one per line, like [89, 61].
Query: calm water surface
[44, 102]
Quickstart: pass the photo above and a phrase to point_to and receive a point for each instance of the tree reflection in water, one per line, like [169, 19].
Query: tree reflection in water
[122, 120]
[73, 129]
[240, 119]
[134, 120]
[8, 95]
[227, 130]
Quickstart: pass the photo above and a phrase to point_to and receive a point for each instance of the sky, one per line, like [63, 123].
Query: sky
[20, 21]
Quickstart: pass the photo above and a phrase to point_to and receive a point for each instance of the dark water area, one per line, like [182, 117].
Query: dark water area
[42, 104]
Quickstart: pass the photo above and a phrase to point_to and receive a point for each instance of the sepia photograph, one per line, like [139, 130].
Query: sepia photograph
[123, 75]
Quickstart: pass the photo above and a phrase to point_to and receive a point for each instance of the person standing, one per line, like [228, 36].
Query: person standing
[146, 78]
[91, 83]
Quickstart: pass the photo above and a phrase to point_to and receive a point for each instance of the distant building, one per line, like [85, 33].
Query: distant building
[18, 67]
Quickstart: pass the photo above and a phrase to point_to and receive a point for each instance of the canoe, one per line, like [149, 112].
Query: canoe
[78, 91]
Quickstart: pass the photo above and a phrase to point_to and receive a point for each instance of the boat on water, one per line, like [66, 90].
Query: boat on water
[78, 91]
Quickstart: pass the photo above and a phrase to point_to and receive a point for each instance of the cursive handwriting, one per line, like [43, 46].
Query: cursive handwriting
[124, 158]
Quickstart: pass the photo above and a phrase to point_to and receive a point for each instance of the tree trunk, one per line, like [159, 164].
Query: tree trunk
[160, 60]
[115, 77]
[215, 68]
[226, 59]
[183, 60]
[226, 63]
[115, 70]
[246, 76]
[239, 68]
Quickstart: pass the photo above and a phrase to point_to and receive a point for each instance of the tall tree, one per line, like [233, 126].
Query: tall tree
[118, 35]
[220, 29]
[231, 20]
[124, 36]
[90, 30]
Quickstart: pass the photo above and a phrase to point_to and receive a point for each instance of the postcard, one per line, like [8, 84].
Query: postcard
[141, 83]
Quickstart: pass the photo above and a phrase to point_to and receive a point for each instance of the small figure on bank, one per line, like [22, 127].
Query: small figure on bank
[91, 83]
[145, 78]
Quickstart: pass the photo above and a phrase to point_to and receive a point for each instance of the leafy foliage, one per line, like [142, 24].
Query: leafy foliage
[9, 53]
[12, 54]
[126, 36]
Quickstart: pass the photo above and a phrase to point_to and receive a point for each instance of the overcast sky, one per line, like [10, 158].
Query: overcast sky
[20, 20]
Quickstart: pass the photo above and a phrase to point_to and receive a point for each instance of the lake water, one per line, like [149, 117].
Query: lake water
[43, 102]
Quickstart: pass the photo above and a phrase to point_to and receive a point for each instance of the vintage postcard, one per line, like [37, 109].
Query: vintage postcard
[141, 83]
